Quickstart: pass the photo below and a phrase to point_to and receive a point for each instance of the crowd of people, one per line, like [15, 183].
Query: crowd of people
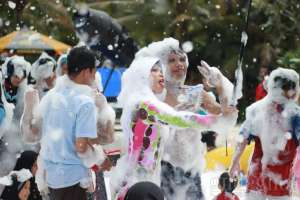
[57, 113]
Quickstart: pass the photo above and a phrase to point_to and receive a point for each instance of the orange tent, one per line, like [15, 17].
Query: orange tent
[26, 41]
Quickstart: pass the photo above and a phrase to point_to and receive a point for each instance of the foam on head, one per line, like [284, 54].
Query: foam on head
[281, 80]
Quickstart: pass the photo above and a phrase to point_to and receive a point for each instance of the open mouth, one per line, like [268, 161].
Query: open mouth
[162, 82]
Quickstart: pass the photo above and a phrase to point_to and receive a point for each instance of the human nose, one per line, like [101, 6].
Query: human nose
[180, 65]
[160, 74]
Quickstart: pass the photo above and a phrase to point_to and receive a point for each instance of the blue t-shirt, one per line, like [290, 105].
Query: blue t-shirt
[67, 114]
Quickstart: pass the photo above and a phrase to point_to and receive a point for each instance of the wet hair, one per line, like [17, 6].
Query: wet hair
[26, 160]
[80, 58]
[144, 191]
[179, 52]
[284, 83]
[227, 183]
[11, 70]
[158, 64]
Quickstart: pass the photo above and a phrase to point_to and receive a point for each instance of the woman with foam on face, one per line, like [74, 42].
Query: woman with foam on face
[146, 121]
[183, 157]
[42, 74]
[273, 123]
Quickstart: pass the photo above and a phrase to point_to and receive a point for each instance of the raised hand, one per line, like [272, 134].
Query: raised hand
[212, 75]
[31, 98]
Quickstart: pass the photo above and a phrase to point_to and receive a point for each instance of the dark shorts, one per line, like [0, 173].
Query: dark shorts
[174, 178]
[74, 192]
[100, 190]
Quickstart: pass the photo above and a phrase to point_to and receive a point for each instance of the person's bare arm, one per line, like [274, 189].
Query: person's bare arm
[90, 154]
[235, 164]
[31, 120]
[105, 121]
[82, 145]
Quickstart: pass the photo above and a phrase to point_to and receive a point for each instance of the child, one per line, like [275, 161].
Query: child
[227, 186]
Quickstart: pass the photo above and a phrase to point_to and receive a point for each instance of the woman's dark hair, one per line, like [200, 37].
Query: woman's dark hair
[144, 191]
[227, 183]
[26, 160]
[80, 58]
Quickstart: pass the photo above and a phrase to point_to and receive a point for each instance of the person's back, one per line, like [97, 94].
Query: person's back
[63, 111]
[69, 123]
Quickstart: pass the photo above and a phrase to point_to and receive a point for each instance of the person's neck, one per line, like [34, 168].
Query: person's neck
[78, 80]
[172, 88]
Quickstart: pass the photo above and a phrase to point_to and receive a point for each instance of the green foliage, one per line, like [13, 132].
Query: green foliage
[213, 26]
[291, 59]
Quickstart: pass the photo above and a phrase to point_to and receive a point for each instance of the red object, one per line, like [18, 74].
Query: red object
[227, 196]
[95, 168]
[260, 92]
[283, 171]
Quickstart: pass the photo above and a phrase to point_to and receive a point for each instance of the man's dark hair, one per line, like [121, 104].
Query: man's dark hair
[227, 183]
[80, 58]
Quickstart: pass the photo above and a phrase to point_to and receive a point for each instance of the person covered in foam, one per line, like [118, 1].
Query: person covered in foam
[145, 122]
[66, 123]
[13, 86]
[270, 123]
[17, 184]
[62, 65]
[14, 81]
[42, 74]
[2, 109]
[106, 114]
[183, 159]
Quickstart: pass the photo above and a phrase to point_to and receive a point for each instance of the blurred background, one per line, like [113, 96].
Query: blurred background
[209, 30]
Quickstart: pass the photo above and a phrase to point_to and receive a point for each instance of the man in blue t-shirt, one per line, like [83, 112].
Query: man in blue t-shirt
[69, 124]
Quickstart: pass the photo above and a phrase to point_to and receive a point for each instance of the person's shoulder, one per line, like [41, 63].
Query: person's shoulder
[83, 100]
[256, 106]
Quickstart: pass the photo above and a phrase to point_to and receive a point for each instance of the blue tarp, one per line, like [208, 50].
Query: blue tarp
[114, 85]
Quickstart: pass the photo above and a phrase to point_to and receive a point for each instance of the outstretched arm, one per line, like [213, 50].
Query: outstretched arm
[31, 121]
[167, 115]
[235, 164]
[246, 132]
